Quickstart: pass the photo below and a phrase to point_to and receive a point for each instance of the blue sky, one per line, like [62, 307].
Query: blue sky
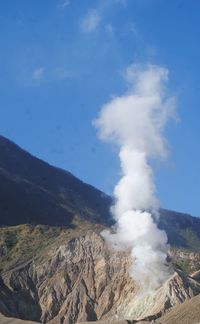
[61, 60]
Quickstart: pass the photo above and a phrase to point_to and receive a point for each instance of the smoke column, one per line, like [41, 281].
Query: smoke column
[135, 123]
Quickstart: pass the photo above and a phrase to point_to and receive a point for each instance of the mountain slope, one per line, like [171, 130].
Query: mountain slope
[186, 313]
[77, 277]
[32, 191]
[8, 320]
[54, 264]
[183, 230]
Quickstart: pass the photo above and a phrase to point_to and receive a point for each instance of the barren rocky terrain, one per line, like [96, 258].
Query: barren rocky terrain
[78, 277]
[63, 271]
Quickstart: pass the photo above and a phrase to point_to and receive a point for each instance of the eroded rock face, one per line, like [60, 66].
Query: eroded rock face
[81, 281]
[174, 292]
[8, 320]
[86, 280]
[190, 259]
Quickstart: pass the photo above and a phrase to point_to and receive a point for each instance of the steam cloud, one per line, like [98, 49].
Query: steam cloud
[135, 122]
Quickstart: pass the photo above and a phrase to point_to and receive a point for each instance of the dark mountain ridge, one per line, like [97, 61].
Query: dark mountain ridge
[55, 266]
[32, 191]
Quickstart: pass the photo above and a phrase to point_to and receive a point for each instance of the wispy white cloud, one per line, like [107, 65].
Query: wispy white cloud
[95, 16]
[122, 2]
[110, 29]
[63, 74]
[38, 74]
[66, 3]
[91, 21]
[133, 29]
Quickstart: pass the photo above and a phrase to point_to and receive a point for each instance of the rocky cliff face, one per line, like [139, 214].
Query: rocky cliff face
[175, 291]
[54, 264]
[185, 313]
[84, 280]
[189, 261]
[79, 281]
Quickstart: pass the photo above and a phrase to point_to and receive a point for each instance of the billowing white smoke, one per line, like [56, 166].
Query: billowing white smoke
[135, 122]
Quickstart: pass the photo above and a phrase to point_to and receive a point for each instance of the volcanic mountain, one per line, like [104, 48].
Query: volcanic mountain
[34, 192]
[54, 264]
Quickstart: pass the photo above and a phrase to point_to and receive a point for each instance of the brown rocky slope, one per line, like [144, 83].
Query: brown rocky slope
[79, 278]
[57, 268]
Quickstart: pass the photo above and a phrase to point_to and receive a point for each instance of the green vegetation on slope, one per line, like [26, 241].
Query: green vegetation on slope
[22, 243]
[183, 230]
[191, 238]
[183, 265]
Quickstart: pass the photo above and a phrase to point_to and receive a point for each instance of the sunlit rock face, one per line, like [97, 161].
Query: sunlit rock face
[175, 291]
[82, 280]
[69, 274]
[85, 280]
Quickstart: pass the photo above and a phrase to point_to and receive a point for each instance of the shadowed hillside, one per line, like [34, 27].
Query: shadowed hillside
[34, 192]
[183, 230]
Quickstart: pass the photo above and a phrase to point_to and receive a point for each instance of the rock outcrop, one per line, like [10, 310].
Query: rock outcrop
[79, 281]
[8, 320]
[85, 280]
[186, 313]
[55, 266]
[174, 292]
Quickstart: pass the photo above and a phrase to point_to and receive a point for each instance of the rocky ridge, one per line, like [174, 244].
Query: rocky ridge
[80, 281]
[54, 264]
[85, 280]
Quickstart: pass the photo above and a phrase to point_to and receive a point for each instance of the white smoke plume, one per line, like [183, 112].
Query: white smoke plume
[135, 122]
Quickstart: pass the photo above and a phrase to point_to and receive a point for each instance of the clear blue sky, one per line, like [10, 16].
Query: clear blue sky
[60, 60]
